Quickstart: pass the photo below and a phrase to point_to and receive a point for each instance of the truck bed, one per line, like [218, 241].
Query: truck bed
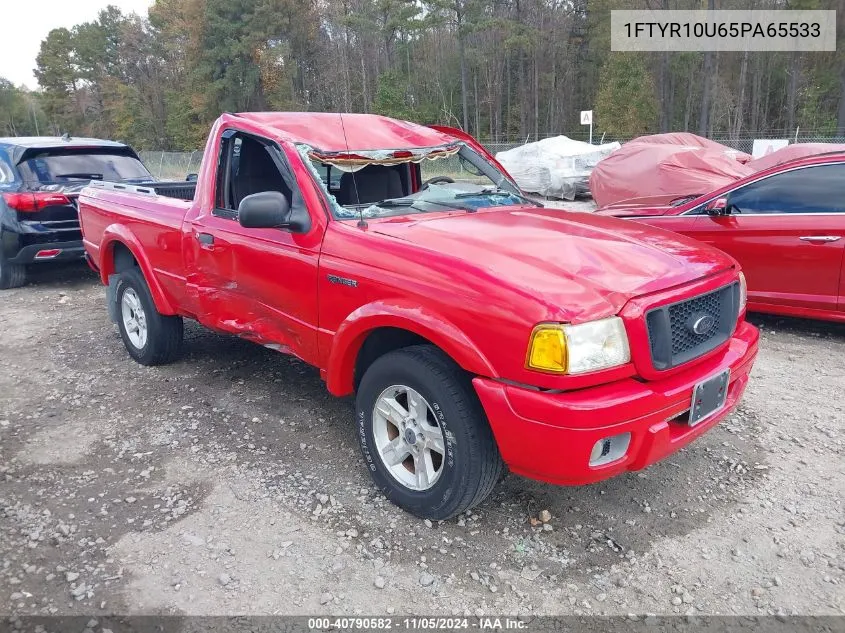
[154, 217]
[183, 190]
[179, 189]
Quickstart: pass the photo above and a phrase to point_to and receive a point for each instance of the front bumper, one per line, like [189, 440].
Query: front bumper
[550, 435]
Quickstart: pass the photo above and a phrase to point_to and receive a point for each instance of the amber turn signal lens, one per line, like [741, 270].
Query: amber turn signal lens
[547, 351]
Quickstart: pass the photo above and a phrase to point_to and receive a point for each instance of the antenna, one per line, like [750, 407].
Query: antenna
[361, 223]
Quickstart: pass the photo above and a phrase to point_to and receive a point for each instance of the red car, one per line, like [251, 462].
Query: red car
[475, 328]
[785, 225]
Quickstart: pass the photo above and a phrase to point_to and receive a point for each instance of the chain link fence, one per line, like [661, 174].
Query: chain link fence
[171, 165]
[745, 144]
[177, 165]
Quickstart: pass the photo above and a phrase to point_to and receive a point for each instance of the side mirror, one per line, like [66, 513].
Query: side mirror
[265, 210]
[191, 177]
[719, 206]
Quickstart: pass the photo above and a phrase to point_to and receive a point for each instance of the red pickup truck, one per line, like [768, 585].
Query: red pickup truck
[475, 328]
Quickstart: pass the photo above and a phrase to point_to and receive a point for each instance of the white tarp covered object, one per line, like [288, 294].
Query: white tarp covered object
[556, 167]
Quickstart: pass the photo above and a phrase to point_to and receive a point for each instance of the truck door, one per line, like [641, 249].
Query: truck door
[257, 283]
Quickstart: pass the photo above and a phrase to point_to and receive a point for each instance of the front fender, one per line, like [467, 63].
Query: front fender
[120, 234]
[350, 336]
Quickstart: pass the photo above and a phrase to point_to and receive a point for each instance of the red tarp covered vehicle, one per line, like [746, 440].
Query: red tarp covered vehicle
[677, 163]
[794, 152]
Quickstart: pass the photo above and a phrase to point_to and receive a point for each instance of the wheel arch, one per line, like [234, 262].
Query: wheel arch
[376, 329]
[120, 249]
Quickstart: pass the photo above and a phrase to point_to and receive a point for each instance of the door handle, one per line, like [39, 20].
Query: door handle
[820, 239]
[205, 239]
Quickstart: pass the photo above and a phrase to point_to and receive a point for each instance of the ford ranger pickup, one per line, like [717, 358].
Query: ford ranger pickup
[476, 329]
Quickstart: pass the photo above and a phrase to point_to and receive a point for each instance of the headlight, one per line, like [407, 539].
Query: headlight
[743, 293]
[576, 349]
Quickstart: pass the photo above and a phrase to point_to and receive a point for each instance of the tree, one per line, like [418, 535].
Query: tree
[626, 103]
[505, 69]
[60, 78]
[706, 92]
[20, 111]
[457, 15]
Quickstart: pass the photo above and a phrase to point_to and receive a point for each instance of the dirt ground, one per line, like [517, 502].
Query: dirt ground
[231, 483]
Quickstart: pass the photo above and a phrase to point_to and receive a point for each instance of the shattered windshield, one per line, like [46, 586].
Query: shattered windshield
[387, 183]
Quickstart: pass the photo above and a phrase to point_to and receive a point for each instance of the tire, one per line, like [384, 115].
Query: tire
[11, 275]
[136, 312]
[469, 465]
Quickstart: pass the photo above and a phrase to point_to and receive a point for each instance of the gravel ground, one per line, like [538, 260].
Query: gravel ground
[231, 483]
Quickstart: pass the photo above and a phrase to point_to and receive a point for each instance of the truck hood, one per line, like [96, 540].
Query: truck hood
[645, 206]
[581, 266]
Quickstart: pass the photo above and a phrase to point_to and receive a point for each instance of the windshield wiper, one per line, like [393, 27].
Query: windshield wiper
[683, 200]
[394, 203]
[497, 192]
[404, 202]
[81, 175]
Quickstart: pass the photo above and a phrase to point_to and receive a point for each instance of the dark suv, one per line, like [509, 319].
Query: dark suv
[40, 179]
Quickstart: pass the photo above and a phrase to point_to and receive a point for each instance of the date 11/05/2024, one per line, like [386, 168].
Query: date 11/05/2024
[416, 623]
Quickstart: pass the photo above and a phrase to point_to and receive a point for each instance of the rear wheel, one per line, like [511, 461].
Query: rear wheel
[151, 338]
[424, 435]
[11, 275]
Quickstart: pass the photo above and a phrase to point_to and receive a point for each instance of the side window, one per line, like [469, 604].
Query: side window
[817, 189]
[246, 166]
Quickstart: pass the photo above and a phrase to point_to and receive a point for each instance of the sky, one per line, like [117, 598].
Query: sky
[26, 23]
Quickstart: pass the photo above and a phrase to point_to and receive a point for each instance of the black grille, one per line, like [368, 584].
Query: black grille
[682, 331]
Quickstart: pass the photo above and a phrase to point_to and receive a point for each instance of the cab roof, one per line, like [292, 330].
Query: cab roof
[334, 132]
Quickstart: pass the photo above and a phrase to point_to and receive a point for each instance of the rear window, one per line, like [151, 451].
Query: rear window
[82, 165]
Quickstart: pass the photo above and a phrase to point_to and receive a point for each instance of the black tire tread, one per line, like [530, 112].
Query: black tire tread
[167, 344]
[458, 385]
[12, 275]
[172, 334]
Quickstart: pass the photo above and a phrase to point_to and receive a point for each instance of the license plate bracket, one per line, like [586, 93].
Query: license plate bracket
[708, 397]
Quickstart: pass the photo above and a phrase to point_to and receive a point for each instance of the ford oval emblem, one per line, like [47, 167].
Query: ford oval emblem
[701, 323]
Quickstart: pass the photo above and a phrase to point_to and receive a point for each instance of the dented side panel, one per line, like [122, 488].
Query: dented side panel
[262, 288]
[260, 284]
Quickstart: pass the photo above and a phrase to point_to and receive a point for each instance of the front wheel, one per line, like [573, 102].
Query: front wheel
[424, 436]
[151, 338]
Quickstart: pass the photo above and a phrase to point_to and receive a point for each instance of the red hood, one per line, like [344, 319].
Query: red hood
[647, 205]
[582, 266]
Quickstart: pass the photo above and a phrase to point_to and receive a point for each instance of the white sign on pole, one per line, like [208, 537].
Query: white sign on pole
[763, 146]
[587, 119]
